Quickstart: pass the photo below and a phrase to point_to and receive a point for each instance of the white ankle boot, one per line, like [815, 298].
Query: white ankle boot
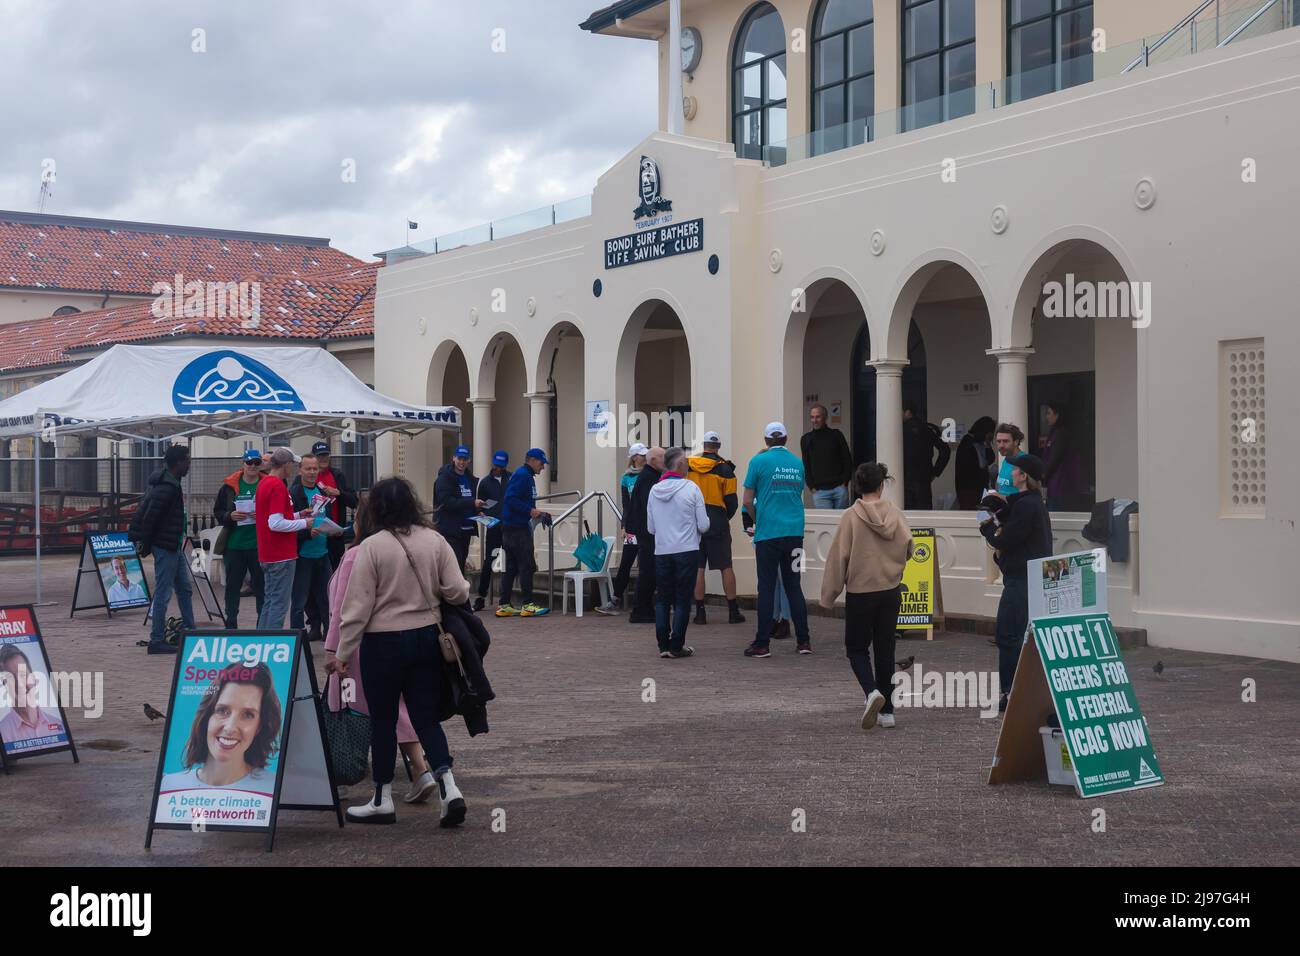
[378, 809]
[453, 804]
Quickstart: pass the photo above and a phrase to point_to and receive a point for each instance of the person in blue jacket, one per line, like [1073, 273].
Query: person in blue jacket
[517, 516]
[455, 504]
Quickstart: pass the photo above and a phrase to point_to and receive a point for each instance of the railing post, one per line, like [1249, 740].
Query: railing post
[550, 565]
[1193, 36]
[1146, 54]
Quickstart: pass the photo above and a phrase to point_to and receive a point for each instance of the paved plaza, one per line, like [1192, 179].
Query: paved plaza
[711, 772]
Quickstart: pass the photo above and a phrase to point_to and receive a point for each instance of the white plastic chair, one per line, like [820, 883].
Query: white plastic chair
[579, 578]
[211, 564]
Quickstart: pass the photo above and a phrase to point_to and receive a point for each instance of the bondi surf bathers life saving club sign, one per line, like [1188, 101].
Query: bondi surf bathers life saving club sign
[657, 235]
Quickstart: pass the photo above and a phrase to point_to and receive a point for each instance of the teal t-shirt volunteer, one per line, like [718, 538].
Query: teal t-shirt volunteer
[776, 476]
[1005, 485]
[313, 547]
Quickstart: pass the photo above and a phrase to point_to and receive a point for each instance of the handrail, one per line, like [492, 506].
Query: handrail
[578, 504]
[1145, 56]
[1253, 17]
[556, 494]
[601, 498]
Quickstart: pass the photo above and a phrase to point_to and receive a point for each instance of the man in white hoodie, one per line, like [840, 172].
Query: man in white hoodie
[676, 517]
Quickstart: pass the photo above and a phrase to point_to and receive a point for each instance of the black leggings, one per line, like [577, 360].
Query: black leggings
[625, 564]
[870, 619]
[397, 665]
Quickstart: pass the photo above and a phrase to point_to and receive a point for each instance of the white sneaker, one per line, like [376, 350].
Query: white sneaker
[421, 789]
[875, 700]
[378, 809]
[886, 721]
[610, 608]
[453, 804]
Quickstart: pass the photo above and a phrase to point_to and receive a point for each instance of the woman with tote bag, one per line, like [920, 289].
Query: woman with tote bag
[868, 554]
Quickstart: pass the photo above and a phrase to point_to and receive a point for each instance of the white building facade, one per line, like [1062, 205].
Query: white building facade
[944, 261]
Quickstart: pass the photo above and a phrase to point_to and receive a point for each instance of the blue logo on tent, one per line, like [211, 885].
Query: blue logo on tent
[226, 381]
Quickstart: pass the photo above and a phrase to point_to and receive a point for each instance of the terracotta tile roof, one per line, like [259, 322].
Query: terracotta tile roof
[70, 253]
[336, 306]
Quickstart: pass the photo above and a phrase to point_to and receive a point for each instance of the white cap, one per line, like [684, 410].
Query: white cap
[712, 438]
[638, 449]
[774, 430]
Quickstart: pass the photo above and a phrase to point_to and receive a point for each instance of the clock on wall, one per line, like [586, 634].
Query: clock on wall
[692, 47]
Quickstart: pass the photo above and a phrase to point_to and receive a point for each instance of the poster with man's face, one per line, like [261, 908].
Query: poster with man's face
[30, 720]
[120, 569]
[225, 730]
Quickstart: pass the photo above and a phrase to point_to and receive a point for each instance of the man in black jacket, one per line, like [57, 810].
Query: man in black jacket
[643, 611]
[827, 462]
[920, 441]
[1025, 533]
[159, 527]
[491, 491]
[456, 503]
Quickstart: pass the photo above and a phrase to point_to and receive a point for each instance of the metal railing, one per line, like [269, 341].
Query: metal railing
[601, 498]
[1231, 18]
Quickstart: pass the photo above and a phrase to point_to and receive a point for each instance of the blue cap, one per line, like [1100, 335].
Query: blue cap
[462, 451]
[538, 454]
[252, 454]
[500, 459]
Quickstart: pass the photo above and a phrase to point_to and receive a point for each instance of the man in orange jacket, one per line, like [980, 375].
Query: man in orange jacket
[716, 478]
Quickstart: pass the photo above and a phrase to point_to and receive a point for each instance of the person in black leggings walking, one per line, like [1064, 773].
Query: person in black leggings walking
[635, 462]
[868, 554]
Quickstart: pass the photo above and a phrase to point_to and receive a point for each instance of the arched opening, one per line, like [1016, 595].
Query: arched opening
[653, 379]
[448, 384]
[503, 378]
[561, 372]
[863, 374]
[1080, 307]
[940, 327]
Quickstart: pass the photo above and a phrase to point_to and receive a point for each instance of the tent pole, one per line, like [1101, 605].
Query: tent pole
[266, 439]
[36, 527]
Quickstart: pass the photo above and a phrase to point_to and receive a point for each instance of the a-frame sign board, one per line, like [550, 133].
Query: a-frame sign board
[244, 736]
[120, 581]
[922, 607]
[32, 718]
[199, 576]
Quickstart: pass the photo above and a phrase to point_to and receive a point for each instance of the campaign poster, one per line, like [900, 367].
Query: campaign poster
[918, 608]
[226, 731]
[1073, 583]
[120, 569]
[31, 719]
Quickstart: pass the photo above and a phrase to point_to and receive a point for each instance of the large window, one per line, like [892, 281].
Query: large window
[1049, 46]
[938, 61]
[843, 74]
[758, 83]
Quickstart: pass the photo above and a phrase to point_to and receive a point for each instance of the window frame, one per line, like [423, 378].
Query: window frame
[941, 51]
[764, 104]
[818, 38]
[1050, 16]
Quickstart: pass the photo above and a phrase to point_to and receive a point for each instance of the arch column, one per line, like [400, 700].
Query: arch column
[1013, 384]
[539, 404]
[889, 423]
[482, 434]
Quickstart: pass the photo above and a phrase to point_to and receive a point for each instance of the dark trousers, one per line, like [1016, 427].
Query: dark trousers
[777, 562]
[334, 547]
[674, 588]
[870, 618]
[918, 495]
[485, 573]
[1013, 618]
[520, 563]
[644, 606]
[625, 565]
[406, 665]
[459, 547]
[236, 564]
[311, 581]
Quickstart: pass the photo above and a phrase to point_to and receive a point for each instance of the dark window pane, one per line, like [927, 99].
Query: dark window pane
[830, 60]
[838, 14]
[776, 78]
[830, 107]
[959, 21]
[921, 79]
[748, 89]
[765, 36]
[776, 129]
[862, 98]
[749, 135]
[1074, 33]
[921, 29]
[1031, 47]
[1022, 10]
[862, 50]
[959, 68]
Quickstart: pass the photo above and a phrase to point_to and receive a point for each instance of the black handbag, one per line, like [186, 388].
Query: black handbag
[347, 732]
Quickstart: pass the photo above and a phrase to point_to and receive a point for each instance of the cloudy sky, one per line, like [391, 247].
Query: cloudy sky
[254, 132]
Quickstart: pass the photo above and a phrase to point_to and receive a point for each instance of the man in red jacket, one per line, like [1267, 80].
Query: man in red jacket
[277, 537]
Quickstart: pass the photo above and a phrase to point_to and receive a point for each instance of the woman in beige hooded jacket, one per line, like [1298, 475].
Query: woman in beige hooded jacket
[871, 547]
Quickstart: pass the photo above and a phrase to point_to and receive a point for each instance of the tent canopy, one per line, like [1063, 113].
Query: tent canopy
[154, 392]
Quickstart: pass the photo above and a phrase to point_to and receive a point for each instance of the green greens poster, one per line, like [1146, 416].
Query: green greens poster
[1104, 729]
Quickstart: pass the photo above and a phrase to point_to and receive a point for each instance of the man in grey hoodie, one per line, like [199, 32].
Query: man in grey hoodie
[675, 517]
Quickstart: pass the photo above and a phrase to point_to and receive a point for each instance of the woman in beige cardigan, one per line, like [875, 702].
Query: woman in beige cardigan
[870, 550]
[402, 571]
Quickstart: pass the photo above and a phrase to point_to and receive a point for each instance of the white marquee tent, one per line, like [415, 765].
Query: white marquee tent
[154, 392]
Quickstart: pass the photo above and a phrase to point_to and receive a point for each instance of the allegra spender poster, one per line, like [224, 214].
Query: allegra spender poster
[225, 730]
